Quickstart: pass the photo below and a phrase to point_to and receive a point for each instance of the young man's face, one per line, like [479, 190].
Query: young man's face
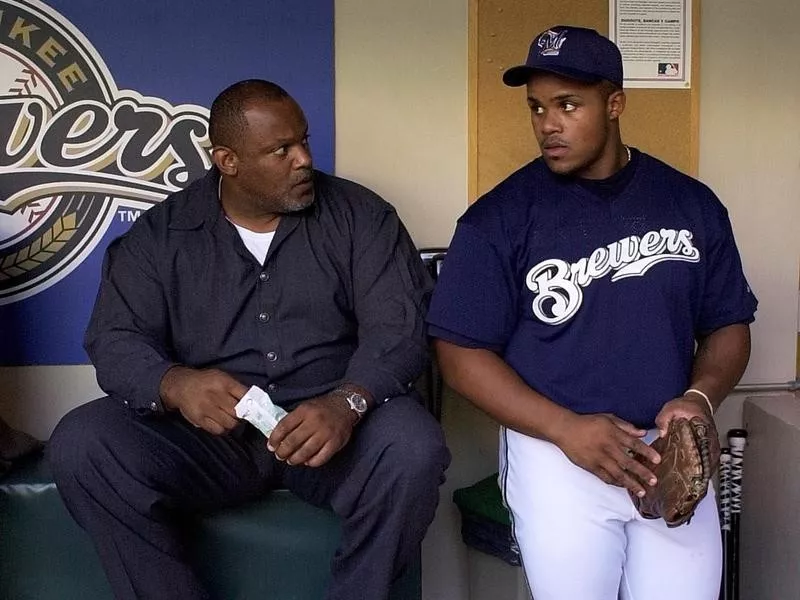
[572, 121]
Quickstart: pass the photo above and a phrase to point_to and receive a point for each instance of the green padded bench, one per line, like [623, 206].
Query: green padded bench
[485, 521]
[278, 548]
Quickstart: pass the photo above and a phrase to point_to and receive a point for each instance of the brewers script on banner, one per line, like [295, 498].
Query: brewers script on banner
[78, 158]
[74, 149]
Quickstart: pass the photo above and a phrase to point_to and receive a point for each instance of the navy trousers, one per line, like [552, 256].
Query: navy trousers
[130, 481]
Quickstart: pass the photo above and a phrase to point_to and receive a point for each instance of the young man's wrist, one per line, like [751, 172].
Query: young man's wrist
[700, 395]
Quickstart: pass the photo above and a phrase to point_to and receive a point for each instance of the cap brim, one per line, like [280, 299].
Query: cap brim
[517, 76]
[521, 74]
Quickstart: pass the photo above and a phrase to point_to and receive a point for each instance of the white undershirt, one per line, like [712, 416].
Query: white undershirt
[257, 243]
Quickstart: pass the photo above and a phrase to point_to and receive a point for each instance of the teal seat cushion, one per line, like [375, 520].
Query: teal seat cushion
[278, 548]
[43, 553]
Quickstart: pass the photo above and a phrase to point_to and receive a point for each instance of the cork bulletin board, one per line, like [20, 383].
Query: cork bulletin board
[662, 122]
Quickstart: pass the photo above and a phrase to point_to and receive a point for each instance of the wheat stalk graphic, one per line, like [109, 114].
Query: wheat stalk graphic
[24, 83]
[41, 249]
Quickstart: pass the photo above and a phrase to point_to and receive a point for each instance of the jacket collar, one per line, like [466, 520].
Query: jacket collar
[199, 204]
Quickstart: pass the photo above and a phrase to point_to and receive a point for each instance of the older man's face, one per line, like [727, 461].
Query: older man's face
[274, 167]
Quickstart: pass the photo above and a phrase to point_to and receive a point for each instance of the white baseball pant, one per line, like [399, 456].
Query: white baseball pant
[582, 539]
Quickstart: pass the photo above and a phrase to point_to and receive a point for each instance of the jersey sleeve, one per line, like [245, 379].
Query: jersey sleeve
[474, 301]
[727, 297]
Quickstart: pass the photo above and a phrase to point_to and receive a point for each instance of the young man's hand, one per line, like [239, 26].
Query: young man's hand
[689, 406]
[604, 445]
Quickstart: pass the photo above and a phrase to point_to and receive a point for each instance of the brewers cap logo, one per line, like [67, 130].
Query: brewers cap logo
[550, 42]
[74, 149]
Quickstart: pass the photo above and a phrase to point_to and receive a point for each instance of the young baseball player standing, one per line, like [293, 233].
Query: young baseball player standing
[584, 302]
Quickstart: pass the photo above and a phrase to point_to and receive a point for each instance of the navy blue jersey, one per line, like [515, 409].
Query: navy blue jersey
[595, 302]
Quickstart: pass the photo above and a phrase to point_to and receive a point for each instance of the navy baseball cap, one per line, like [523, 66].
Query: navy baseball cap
[574, 52]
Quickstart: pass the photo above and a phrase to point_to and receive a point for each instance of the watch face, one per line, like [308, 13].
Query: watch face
[358, 402]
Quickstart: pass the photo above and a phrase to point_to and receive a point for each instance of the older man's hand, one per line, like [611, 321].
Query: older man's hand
[314, 431]
[206, 398]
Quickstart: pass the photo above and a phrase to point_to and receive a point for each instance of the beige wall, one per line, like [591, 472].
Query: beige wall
[34, 398]
[750, 155]
[401, 107]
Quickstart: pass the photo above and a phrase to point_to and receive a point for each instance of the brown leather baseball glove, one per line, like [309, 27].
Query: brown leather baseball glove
[689, 457]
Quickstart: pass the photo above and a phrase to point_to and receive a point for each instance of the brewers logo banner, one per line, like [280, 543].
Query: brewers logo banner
[103, 113]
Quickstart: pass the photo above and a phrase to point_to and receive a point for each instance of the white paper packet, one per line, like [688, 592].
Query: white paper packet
[257, 408]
